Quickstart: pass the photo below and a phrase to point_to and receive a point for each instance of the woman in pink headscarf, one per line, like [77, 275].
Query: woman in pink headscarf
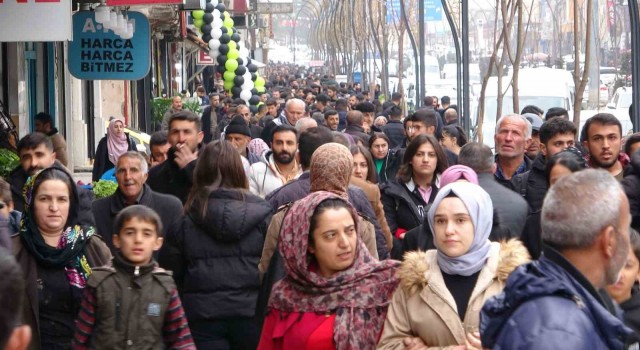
[111, 147]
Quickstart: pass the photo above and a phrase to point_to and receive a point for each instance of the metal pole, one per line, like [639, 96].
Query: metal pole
[466, 109]
[635, 62]
[414, 45]
[456, 43]
[423, 88]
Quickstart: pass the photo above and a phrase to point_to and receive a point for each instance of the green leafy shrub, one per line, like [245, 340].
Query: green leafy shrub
[104, 188]
[8, 162]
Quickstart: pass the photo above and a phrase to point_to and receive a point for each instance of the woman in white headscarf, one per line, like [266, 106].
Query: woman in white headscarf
[442, 290]
[111, 147]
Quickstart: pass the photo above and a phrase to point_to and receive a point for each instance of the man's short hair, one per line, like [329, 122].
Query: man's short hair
[395, 113]
[445, 100]
[271, 102]
[556, 112]
[355, 118]
[365, 107]
[332, 87]
[144, 167]
[309, 142]
[33, 141]
[159, 138]
[5, 191]
[601, 119]
[527, 130]
[140, 212]
[12, 294]
[329, 113]
[450, 114]
[428, 101]
[425, 116]
[214, 94]
[396, 96]
[556, 126]
[284, 128]
[322, 98]
[592, 191]
[630, 141]
[342, 103]
[186, 116]
[44, 118]
[532, 109]
[476, 156]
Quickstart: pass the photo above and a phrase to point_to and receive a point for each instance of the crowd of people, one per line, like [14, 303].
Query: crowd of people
[325, 219]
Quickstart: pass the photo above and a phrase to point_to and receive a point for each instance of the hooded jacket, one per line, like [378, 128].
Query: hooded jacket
[423, 306]
[215, 258]
[532, 185]
[631, 185]
[395, 132]
[263, 176]
[391, 165]
[549, 304]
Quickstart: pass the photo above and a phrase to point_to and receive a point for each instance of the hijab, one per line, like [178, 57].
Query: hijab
[258, 147]
[457, 172]
[358, 295]
[69, 254]
[331, 167]
[116, 145]
[480, 208]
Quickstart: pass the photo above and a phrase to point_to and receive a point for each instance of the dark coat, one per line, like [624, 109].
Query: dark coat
[395, 132]
[97, 254]
[631, 310]
[18, 178]
[391, 165]
[5, 234]
[507, 183]
[402, 208]
[357, 131]
[533, 185]
[168, 207]
[168, 178]
[256, 131]
[549, 304]
[631, 185]
[215, 258]
[512, 208]
[101, 162]
[301, 187]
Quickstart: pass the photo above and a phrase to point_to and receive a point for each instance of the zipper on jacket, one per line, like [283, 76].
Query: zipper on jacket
[136, 272]
[118, 314]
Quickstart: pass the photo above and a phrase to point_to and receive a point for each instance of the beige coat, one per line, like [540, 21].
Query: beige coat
[423, 306]
[372, 192]
[365, 229]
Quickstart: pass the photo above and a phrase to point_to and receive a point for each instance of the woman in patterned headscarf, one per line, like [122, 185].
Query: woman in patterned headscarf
[111, 147]
[335, 294]
[56, 256]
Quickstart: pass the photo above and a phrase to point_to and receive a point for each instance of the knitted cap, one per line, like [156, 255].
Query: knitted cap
[238, 126]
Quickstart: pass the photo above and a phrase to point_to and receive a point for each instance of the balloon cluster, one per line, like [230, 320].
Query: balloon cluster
[240, 75]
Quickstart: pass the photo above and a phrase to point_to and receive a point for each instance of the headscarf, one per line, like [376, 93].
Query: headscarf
[457, 172]
[331, 167]
[258, 147]
[358, 295]
[116, 145]
[480, 209]
[69, 254]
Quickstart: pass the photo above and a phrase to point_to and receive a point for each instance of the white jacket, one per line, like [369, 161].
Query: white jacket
[263, 176]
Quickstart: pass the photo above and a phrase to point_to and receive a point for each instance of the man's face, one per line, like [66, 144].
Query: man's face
[309, 99]
[264, 97]
[621, 249]
[368, 118]
[331, 93]
[42, 127]
[284, 146]
[352, 101]
[293, 112]
[534, 145]
[272, 110]
[184, 132]
[418, 128]
[333, 121]
[245, 112]
[276, 95]
[36, 159]
[176, 104]
[130, 177]
[510, 139]
[239, 142]
[603, 142]
[159, 153]
[215, 101]
[557, 143]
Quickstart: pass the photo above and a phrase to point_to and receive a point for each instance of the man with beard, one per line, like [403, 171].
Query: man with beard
[554, 303]
[602, 136]
[278, 166]
[293, 110]
[175, 175]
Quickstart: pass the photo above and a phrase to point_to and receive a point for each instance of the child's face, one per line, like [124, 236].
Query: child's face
[621, 290]
[137, 241]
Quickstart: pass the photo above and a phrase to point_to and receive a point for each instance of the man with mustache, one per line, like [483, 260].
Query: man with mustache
[602, 136]
[278, 166]
[131, 174]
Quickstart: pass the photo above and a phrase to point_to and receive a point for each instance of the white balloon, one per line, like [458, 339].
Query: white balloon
[247, 76]
[246, 95]
[248, 84]
[216, 33]
[214, 54]
[216, 13]
[244, 52]
[214, 44]
[217, 22]
[214, 2]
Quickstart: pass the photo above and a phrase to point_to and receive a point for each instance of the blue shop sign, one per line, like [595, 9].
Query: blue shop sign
[97, 53]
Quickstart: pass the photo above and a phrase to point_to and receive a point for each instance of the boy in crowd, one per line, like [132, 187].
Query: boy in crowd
[133, 303]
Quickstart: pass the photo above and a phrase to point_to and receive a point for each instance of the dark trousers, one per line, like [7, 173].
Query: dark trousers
[237, 333]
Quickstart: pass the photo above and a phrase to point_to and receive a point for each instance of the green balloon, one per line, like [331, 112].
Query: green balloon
[233, 54]
[228, 85]
[228, 22]
[259, 82]
[231, 65]
[226, 14]
[232, 45]
[261, 89]
[198, 23]
[229, 75]
[197, 14]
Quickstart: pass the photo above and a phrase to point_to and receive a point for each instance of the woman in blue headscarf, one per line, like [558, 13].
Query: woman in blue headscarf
[442, 290]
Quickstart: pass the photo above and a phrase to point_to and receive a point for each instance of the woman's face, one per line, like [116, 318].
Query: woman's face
[379, 148]
[424, 161]
[119, 128]
[334, 239]
[447, 141]
[360, 168]
[557, 172]
[51, 206]
[453, 227]
[621, 290]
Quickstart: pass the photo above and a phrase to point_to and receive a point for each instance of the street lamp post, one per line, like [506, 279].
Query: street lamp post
[635, 62]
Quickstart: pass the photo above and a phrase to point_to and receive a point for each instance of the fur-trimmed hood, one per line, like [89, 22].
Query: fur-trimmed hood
[414, 272]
